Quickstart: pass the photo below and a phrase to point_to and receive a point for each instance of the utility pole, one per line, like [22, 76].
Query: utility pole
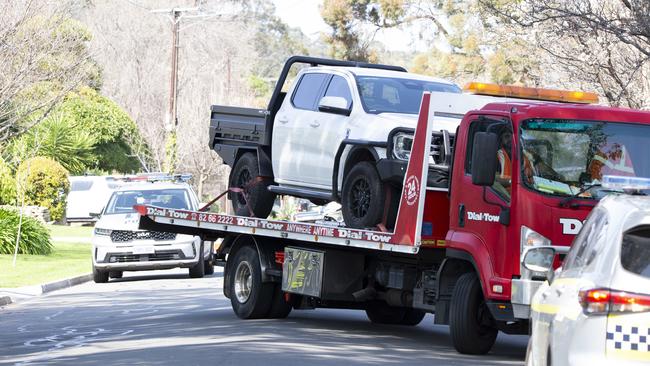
[171, 119]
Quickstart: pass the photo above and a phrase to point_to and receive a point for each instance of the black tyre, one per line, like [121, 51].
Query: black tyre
[249, 296]
[198, 270]
[260, 199]
[470, 322]
[280, 309]
[412, 317]
[100, 276]
[363, 197]
[115, 274]
[381, 313]
[208, 266]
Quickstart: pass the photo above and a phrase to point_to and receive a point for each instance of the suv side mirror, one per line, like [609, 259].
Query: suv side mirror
[336, 105]
[484, 158]
[96, 215]
[540, 259]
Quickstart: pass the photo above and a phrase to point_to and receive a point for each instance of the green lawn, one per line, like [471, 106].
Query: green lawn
[70, 231]
[67, 260]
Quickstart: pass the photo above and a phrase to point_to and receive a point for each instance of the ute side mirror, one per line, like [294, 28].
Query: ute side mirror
[540, 259]
[335, 105]
[484, 158]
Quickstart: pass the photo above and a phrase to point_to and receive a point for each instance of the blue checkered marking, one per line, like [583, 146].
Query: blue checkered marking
[629, 338]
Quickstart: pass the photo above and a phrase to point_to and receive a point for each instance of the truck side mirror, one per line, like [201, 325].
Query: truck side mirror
[540, 259]
[336, 105]
[484, 158]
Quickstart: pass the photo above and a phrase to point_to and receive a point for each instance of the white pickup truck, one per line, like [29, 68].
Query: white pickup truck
[342, 132]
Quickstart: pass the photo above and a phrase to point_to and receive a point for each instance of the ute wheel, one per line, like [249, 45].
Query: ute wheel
[249, 296]
[260, 199]
[115, 274]
[280, 309]
[470, 323]
[100, 276]
[198, 270]
[363, 197]
[381, 313]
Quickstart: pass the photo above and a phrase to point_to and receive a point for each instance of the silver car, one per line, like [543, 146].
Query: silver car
[596, 309]
[118, 245]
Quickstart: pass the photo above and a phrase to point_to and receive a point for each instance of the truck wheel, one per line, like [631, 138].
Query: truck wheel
[115, 274]
[412, 317]
[280, 309]
[100, 276]
[260, 199]
[470, 322]
[249, 296]
[363, 196]
[198, 270]
[381, 313]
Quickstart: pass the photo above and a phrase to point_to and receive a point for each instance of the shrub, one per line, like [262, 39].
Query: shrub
[34, 236]
[7, 185]
[45, 183]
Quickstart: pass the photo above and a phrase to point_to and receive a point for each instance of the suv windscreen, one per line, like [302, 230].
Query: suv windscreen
[635, 251]
[394, 95]
[123, 201]
[567, 157]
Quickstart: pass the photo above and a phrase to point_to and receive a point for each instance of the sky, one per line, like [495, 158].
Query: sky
[305, 14]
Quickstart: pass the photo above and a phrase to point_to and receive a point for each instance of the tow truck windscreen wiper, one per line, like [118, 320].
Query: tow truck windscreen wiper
[565, 202]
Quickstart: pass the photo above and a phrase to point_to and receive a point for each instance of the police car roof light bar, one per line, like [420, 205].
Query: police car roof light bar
[626, 183]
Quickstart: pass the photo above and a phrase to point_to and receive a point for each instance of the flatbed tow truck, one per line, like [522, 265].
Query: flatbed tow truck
[453, 252]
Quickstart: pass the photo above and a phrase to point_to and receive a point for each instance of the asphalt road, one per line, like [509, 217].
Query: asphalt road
[162, 318]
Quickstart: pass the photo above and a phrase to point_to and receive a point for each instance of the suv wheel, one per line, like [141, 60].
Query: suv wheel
[363, 197]
[259, 198]
[99, 276]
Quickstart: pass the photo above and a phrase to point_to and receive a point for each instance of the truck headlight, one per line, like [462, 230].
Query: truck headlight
[402, 144]
[103, 232]
[531, 238]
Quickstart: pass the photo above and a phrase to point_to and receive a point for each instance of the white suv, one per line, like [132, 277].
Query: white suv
[118, 245]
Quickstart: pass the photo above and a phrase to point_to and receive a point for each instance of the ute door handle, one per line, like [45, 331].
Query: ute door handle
[283, 120]
[314, 124]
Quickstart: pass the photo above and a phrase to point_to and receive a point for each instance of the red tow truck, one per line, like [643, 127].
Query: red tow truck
[525, 172]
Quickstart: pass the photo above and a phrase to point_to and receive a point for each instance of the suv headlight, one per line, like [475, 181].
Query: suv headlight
[104, 232]
[402, 144]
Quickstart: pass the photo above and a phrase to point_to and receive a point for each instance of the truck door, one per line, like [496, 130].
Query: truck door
[476, 218]
[328, 130]
[292, 132]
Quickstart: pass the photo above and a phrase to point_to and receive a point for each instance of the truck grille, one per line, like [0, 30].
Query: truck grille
[120, 236]
[165, 255]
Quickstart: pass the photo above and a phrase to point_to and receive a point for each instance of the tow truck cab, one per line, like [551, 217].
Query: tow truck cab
[566, 147]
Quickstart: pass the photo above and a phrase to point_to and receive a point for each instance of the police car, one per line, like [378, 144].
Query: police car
[595, 310]
[118, 245]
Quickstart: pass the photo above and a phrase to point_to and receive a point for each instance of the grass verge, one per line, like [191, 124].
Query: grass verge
[70, 231]
[67, 260]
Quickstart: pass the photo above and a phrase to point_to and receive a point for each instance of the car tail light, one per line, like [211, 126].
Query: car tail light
[605, 301]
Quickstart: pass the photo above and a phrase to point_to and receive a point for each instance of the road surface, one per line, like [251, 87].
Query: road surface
[164, 317]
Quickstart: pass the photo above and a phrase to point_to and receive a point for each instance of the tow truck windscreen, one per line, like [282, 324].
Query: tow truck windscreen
[569, 158]
[123, 202]
[394, 95]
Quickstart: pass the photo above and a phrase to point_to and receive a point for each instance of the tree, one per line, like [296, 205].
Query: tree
[44, 57]
[473, 48]
[594, 44]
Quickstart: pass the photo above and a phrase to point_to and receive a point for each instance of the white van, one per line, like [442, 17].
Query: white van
[88, 194]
